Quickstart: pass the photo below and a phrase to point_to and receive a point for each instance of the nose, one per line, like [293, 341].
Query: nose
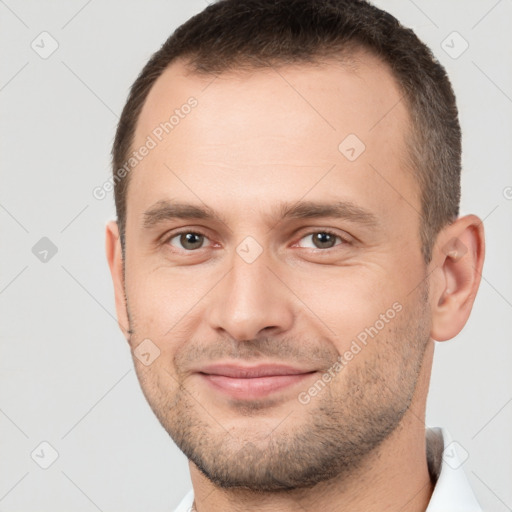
[251, 301]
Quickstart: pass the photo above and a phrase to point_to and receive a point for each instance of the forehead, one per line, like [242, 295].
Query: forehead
[281, 126]
[330, 96]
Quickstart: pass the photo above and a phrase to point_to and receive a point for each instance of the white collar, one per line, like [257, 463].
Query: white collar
[452, 491]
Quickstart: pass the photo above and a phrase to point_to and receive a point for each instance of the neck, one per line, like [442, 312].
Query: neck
[393, 477]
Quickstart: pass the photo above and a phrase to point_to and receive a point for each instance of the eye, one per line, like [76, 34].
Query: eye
[321, 240]
[188, 240]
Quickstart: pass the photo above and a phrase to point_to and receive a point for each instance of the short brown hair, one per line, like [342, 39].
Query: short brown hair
[235, 34]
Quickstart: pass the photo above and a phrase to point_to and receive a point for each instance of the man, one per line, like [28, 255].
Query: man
[288, 248]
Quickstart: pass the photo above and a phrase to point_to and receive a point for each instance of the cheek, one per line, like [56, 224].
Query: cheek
[346, 300]
[147, 305]
[164, 301]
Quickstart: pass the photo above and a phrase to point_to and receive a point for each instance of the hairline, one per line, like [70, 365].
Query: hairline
[411, 135]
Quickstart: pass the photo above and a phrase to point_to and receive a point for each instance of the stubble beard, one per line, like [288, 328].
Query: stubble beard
[328, 438]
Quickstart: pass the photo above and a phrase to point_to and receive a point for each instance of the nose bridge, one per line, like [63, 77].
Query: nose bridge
[250, 298]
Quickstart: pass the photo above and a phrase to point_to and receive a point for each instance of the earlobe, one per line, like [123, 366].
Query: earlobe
[115, 263]
[459, 257]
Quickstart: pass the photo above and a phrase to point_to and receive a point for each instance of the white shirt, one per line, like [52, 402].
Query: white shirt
[452, 491]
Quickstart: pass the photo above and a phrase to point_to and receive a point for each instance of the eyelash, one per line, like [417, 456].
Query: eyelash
[344, 241]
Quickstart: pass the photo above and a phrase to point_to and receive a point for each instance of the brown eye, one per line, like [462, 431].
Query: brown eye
[324, 240]
[321, 240]
[188, 240]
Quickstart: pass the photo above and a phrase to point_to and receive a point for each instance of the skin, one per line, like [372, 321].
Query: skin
[252, 142]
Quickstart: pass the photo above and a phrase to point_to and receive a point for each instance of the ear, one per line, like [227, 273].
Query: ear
[115, 262]
[458, 258]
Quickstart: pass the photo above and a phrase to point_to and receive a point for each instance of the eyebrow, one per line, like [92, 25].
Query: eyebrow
[165, 210]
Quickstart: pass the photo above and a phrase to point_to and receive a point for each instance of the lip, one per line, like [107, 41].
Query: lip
[252, 382]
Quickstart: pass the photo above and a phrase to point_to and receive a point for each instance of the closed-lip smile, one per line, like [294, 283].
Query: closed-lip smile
[251, 382]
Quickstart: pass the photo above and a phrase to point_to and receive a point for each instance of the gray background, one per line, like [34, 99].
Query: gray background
[66, 371]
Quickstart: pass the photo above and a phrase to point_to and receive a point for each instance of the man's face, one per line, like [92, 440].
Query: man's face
[269, 279]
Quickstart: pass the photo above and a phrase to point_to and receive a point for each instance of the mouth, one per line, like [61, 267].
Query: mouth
[252, 382]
